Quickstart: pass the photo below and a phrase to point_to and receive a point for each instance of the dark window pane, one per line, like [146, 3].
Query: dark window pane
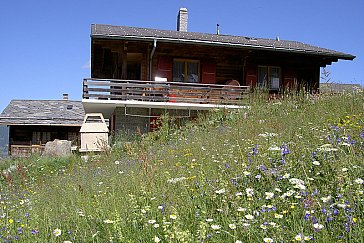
[178, 71]
[262, 76]
[192, 72]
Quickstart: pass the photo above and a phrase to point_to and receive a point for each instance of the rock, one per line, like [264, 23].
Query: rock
[57, 148]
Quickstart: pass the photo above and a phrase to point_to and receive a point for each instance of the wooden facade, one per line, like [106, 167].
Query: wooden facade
[129, 60]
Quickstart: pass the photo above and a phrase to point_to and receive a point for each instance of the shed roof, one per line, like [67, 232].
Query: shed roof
[125, 32]
[43, 112]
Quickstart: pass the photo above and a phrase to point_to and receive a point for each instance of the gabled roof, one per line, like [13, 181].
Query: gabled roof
[43, 112]
[130, 33]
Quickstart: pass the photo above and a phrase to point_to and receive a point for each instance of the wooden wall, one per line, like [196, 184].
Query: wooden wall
[217, 64]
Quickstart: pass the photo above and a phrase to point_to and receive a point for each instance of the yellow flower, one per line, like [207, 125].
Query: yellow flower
[11, 221]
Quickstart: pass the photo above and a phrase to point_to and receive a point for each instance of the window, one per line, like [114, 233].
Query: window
[269, 76]
[186, 71]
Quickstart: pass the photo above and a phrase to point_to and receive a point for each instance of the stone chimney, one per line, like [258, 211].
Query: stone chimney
[65, 96]
[182, 20]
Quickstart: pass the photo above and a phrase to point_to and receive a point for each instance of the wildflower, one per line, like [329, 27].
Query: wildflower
[298, 237]
[156, 226]
[108, 221]
[249, 216]
[35, 232]
[209, 220]
[316, 162]
[57, 232]
[344, 169]
[278, 216]
[238, 241]
[117, 162]
[286, 176]
[156, 239]
[274, 148]
[240, 209]
[273, 224]
[221, 191]
[67, 241]
[215, 227]
[175, 180]
[246, 173]
[326, 199]
[232, 226]
[269, 195]
[238, 194]
[151, 221]
[268, 240]
[296, 181]
[307, 238]
[359, 181]
[249, 192]
[318, 226]
[263, 226]
[11, 221]
[277, 189]
[173, 216]
[246, 225]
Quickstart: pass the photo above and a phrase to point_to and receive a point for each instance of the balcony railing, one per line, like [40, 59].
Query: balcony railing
[156, 91]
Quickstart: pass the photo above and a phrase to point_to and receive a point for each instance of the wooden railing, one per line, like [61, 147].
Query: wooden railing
[25, 150]
[156, 91]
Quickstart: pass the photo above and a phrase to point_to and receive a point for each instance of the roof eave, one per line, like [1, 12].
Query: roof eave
[342, 56]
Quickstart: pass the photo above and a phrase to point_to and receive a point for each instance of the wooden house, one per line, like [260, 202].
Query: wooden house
[32, 123]
[137, 73]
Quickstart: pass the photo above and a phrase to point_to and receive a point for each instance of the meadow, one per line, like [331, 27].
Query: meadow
[288, 170]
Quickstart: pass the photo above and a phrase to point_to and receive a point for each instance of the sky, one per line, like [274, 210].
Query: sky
[45, 44]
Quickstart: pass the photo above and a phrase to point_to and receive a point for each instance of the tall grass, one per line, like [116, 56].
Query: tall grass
[281, 171]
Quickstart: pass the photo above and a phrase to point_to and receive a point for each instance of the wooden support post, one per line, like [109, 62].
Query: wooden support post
[124, 60]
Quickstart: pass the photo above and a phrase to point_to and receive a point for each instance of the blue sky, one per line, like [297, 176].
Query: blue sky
[45, 44]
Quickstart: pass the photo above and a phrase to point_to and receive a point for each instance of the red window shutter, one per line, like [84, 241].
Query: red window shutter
[289, 77]
[208, 73]
[165, 65]
[251, 75]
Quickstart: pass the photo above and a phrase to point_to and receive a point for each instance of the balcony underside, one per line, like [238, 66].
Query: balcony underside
[105, 95]
[107, 107]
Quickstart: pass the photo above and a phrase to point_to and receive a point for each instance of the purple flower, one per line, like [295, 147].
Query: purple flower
[263, 168]
[227, 166]
[20, 230]
[35, 232]
[335, 212]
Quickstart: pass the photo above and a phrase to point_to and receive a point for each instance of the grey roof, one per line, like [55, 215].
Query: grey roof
[125, 32]
[43, 112]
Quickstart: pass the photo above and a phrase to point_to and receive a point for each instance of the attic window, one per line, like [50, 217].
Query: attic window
[69, 107]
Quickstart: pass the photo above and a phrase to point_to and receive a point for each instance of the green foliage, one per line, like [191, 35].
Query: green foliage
[281, 170]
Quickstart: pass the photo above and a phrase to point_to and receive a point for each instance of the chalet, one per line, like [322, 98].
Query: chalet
[139, 73]
[32, 123]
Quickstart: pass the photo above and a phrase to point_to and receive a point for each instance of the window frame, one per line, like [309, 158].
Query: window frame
[185, 69]
[269, 77]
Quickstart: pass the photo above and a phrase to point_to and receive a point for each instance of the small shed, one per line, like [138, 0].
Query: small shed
[33, 123]
[94, 133]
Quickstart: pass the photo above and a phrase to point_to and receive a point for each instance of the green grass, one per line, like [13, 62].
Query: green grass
[281, 170]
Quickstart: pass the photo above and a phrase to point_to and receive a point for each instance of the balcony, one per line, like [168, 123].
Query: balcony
[163, 92]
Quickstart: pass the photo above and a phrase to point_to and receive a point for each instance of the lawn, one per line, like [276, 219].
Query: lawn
[286, 170]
